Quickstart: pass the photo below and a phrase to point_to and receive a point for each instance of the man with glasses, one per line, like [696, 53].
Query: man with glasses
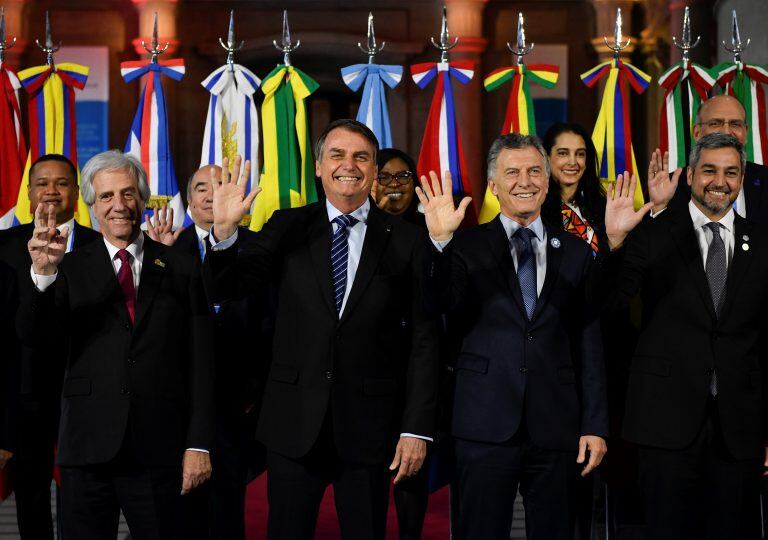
[719, 114]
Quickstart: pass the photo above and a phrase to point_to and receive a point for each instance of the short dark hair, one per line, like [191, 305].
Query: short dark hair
[717, 140]
[386, 155]
[350, 125]
[55, 157]
[514, 141]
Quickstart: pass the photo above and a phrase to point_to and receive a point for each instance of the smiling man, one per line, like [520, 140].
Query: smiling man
[530, 397]
[352, 387]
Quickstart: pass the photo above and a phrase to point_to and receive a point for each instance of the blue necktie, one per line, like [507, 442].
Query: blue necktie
[201, 246]
[340, 257]
[526, 268]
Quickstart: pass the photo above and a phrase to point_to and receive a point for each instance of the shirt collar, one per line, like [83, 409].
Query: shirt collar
[700, 220]
[136, 248]
[201, 233]
[511, 226]
[361, 214]
[70, 224]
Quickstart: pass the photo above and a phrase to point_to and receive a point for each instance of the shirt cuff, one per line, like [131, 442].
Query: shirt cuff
[430, 439]
[440, 245]
[198, 450]
[221, 245]
[40, 281]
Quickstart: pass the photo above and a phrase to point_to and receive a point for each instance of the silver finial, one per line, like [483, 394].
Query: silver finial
[371, 47]
[231, 46]
[4, 45]
[445, 44]
[737, 47]
[49, 48]
[155, 51]
[521, 49]
[286, 47]
[686, 44]
[617, 46]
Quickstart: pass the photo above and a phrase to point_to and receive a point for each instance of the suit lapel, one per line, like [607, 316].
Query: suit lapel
[102, 278]
[682, 231]
[554, 258]
[502, 252]
[320, 253]
[377, 234]
[739, 263]
[152, 269]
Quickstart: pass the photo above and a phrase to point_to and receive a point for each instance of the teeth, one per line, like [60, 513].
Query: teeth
[347, 178]
[395, 196]
[524, 195]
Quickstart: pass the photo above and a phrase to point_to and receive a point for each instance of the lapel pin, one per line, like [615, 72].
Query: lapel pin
[554, 242]
[745, 246]
[159, 263]
[745, 238]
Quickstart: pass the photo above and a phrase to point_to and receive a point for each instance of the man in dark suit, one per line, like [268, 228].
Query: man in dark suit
[52, 182]
[725, 114]
[137, 411]
[8, 371]
[696, 402]
[530, 397]
[350, 386]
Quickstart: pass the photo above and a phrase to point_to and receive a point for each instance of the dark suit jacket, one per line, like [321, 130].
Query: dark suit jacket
[755, 192]
[152, 381]
[549, 370]
[682, 340]
[8, 366]
[375, 371]
[37, 380]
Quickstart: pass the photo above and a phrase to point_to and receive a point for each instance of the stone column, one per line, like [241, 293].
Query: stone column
[465, 20]
[14, 27]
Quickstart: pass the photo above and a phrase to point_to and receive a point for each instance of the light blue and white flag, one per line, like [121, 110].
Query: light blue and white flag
[373, 110]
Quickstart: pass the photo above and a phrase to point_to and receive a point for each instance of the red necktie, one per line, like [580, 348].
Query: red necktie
[125, 277]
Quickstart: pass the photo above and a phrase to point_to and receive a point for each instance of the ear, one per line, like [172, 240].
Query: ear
[689, 175]
[493, 187]
[696, 131]
[317, 168]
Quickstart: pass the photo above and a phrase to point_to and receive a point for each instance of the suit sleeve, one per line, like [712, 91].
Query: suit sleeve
[9, 362]
[445, 278]
[618, 275]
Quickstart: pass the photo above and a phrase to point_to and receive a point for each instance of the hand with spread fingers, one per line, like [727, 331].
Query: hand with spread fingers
[620, 214]
[160, 227]
[48, 244]
[409, 457]
[230, 203]
[440, 213]
[195, 470]
[661, 186]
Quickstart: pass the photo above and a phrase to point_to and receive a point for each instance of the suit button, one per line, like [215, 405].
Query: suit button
[329, 375]
[124, 390]
[131, 361]
[529, 337]
[523, 370]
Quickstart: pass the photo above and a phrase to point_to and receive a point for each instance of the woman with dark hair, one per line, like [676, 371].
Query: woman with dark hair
[394, 187]
[576, 199]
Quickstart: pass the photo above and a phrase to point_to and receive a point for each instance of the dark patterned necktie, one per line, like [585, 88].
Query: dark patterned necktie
[340, 257]
[715, 267]
[526, 268]
[125, 278]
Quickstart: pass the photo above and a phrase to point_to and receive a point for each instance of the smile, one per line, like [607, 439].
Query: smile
[523, 195]
[346, 178]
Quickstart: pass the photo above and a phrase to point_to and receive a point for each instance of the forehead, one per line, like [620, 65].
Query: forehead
[568, 139]
[347, 141]
[519, 158]
[52, 169]
[720, 157]
[203, 175]
[113, 181]
[723, 107]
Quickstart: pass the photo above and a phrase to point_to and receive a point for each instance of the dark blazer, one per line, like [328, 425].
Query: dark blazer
[375, 376]
[37, 380]
[152, 381]
[8, 366]
[755, 192]
[682, 340]
[549, 369]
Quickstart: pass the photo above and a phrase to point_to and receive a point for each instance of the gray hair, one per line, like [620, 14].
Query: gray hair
[112, 160]
[714, 141]
[514, 141]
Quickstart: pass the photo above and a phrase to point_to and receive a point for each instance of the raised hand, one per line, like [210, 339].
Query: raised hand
[47, 245]
[160, 227]
[661, 187]
[230, 203]
[441, 215]
[620, 214]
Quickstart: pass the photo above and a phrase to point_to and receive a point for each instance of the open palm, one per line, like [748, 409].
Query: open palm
[661, 186]
[47, 245]
[441, 215]
[230, 202]
[620, 214]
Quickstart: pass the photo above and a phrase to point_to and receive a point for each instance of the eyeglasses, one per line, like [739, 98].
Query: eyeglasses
[719, 123]
[403, 178]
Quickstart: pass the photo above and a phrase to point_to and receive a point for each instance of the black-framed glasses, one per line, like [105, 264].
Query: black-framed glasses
[403, 178]
[719, 123]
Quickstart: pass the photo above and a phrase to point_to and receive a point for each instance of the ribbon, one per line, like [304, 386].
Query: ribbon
[441, 148]
[686, 87]
[13, 148]
[288, 179]
[373, 111]
[520, 116]
[232, 122]
[148, 138]
[612, 135]
[52, 125]
[745, 82]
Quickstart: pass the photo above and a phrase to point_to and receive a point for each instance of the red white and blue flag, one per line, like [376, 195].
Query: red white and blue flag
[441, 148]
[13, 149]
[148, 139]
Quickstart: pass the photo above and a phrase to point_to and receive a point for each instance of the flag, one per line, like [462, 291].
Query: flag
[148, 139]
[232, 122]
[373, 111]
[686, 87]
[52, 124]
[441, 148]
[288, 179]
[745, 82]
[612, 135]
[520, 115]
[13, 148]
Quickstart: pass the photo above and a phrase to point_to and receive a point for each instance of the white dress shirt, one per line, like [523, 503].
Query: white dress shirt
[704, 234]
[71, 240]
[202, 234]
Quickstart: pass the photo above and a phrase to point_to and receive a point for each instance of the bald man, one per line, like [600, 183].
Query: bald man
[719, 114]
[240, 373]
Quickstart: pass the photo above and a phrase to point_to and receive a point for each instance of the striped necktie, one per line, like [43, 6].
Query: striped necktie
[526, 268]
[340, 257]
